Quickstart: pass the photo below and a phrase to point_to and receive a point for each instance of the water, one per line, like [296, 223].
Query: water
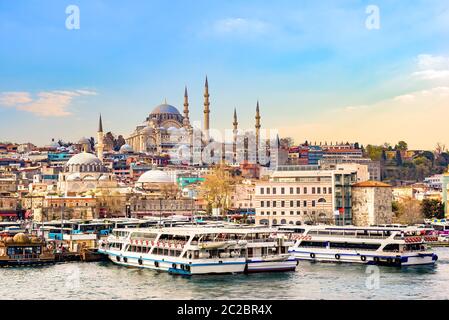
[105, 280]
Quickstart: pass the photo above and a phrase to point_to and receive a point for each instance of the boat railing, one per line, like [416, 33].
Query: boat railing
[24, 256]
[358, 236]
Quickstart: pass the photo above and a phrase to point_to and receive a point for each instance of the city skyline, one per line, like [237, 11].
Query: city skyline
[317, 70]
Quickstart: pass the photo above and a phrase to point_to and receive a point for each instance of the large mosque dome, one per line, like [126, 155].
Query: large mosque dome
[155, 176]
[165, 109]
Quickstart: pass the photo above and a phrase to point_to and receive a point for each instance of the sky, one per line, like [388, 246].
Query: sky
[321, 70]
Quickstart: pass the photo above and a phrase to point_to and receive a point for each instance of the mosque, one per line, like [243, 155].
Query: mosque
[166, 130]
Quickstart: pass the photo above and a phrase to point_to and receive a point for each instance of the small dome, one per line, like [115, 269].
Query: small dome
[21, 238]
[83, 158]
[165, 108]
[126, 148]
[84, 140]
[155, 176]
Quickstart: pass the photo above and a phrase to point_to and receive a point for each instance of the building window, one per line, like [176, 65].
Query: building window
[274, 213]
[304, 203]
[274, 190]
[313, 190]
[330, 190]
[268, 203]
[262, 213]
[282, 203]
[298, 203]
[291, 203]
[274, 204]
[313, 203]
[282, 190]
[291, 190]
[282, 213]
[298, 213]
[298, 190]
[291, 213]
[261, 190]
[305, 190]
[262, 203]
[318, 190]
[324, 190]
[268, 213]
[268, 190]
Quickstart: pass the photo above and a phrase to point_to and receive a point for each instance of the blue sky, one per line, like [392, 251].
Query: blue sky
[318, 72]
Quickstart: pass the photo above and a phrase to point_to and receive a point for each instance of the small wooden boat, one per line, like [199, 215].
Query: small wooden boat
[92, 255]
[23, 250]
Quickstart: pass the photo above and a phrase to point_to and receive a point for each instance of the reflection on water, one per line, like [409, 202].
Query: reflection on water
[105, 280]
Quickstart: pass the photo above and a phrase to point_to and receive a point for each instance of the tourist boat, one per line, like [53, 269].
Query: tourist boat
[391, 246]
[200, 250]
[22, 250]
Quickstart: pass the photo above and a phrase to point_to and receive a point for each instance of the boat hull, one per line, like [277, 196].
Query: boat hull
[254, 266]
[372, 258]
[179, 267]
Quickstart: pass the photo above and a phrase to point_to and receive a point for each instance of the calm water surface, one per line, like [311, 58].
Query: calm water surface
[311, 281]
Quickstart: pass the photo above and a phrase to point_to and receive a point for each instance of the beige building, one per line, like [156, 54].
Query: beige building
[305, 196]
[243, 195]
[371, 203]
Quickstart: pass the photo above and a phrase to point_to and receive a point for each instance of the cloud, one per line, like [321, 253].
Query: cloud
[10, 99]
[432, 67]
[45, 104]
[240, 26]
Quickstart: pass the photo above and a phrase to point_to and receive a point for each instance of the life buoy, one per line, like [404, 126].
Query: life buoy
[312, 255]
[187, 267]
[117, 258]
[125, 259]
[182, 267]
[337, 256]
[174, 265]
[363, 258]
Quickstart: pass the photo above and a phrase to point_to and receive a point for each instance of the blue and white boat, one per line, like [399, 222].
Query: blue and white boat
[391, 246]
[200, 250]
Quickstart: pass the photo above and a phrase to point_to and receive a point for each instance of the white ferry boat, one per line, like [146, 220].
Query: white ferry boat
[200, 250]
[391, 246]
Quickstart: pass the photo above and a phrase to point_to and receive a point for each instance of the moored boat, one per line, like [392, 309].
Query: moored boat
[22, 250]
[200, 250]
[390, 246]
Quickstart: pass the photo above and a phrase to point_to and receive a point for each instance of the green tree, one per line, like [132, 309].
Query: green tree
[374, 152]
[402, 145]
[432, 209]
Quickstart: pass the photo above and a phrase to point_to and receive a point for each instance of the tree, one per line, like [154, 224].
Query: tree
[409, 212]
[217, 188]
[398, 158]
[402, 145]
[374, 152]
[432, 209]
[286, 142]
[440, 148]
[429, 155]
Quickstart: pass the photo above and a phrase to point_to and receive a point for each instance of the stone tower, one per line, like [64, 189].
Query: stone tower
[100, 138]
[206, 111]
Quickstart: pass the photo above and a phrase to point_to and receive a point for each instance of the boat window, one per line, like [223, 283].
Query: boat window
[392, 247]
[354, 246]
[313, 244]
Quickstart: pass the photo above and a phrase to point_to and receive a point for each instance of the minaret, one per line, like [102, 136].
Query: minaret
[186, 108]
[100, 137]
[257, 131]
[206, 110]
[235, 131]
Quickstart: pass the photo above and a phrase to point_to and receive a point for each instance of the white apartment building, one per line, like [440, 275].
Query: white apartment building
[303, 196]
